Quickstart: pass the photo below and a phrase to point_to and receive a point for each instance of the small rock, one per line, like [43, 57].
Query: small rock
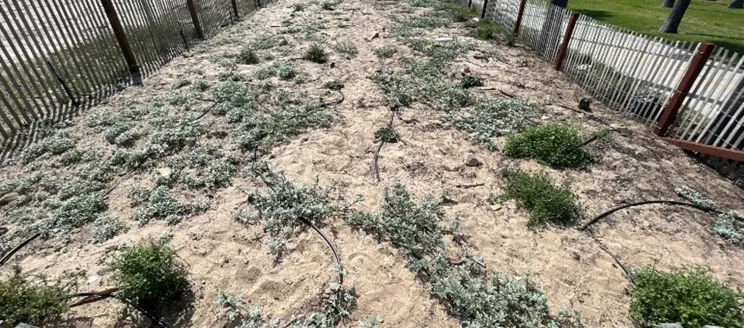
[103, 271]
[576, 256]
[187, 55]
[9, 197]
[668, 325]
[283, 42]
[348, 57]
[471, 160]
[3, 230]
[466, 70]
[332, 65]
[373, 36]
[93, 279]
[165, 172]
[475, 19]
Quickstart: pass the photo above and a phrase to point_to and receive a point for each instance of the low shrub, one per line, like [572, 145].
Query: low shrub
[485, 30]
[247, 57]
[555, 145]
[150, 275]
[687, 295]
[730, 226]
[334, 85]
[546, 202]
[469, 81]
[316, 54]
[385, 52]
[387, 134]
[491, 118]
[347, 47]
[23, 301]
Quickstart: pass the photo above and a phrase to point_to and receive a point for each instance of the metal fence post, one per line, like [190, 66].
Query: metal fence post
[520, 13]
[195, 18]
[566, 39]
[470, 3]
[696, 66]
[485, 6]
[235, 9]
[121, 38]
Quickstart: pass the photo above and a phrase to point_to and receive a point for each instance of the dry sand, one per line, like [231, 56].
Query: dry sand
[575, 273]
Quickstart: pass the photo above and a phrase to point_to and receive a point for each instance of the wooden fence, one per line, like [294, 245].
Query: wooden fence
[58, 56]
[690, 94]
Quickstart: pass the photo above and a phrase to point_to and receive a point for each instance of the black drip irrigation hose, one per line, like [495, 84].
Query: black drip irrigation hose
[376, 164]
[61, 81]
[665, 202]
[7, 256]
[127, 302]
[617, 260]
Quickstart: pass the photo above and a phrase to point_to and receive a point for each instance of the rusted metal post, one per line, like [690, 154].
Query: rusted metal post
[485, 6]
[696, 66]
[520, 13]
[121, 38]
[195, 18]
[235, 9]
[566, 39]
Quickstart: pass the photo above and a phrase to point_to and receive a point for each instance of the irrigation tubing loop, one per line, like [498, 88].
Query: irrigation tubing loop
[7, 256]
[125, 301]
[665, 202]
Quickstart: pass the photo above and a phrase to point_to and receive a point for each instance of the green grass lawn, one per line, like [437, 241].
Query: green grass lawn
[704, 21]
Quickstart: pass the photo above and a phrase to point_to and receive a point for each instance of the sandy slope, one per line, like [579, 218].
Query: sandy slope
[225, 255]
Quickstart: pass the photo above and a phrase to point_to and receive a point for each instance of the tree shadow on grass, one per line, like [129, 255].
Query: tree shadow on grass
[596, 14]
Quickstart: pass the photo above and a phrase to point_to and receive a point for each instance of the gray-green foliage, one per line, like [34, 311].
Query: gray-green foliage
[247, 57]
[347, 47]
[159, 204]
[107, 227]
[491, 118]
[475, 297]
[56, 144]
[284, 69]
[199, 168]
[334, 85]
[385, 52]
[25, 301]
[387, 134]
[556, 145]
[284, 208]
[695, 197]
[316, 54]
[730, 226]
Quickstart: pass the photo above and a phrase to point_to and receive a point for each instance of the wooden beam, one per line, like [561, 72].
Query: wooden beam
[732, 154]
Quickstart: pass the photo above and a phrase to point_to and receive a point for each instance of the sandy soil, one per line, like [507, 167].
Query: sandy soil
[575, 273]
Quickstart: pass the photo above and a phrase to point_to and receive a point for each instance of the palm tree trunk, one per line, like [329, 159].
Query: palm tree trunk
[675, 17]
[738, 4]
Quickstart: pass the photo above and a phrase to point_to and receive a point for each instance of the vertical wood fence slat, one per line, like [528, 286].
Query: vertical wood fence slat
[518, 22]
[718, 67]
[23, 120]
[106, 61]
[139, 32]
[121, 38]
[195, 19]
[696, 65]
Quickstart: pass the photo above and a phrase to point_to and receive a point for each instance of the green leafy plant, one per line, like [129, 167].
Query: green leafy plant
[687, 295]
[485, 30]
[150, 275]
[346, 47]
[316, 54]
[36, 303]
[328, 5]
[469, 81]
[546, 202]
[161, 205]
[730, 226]
[298, 7]
[387, 134]
[247, 57]
[555, 145]
[107, 227]
[385, 52]
[334, 85]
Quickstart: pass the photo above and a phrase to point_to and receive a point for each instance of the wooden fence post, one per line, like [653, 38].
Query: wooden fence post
[235, 9]
[566, 39]
[520, 13]
[470, 3]
[696, 66]
[195, 18]
[485, 6]
[121, 38]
